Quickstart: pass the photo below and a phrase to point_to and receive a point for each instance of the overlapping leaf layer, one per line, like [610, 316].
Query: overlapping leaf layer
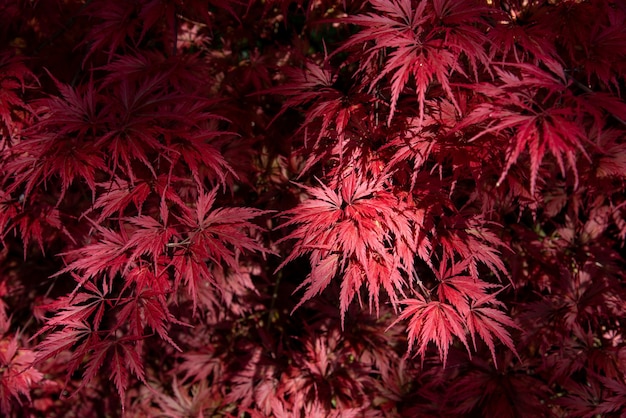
[283, 208]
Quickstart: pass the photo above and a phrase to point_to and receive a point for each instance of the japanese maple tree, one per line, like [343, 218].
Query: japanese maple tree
[280, 208]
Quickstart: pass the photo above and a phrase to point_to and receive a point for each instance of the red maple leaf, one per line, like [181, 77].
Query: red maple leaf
[538, 109]
[432, 321]
[427, 45]
[215, 235]
[19, 375]
[488, 322]
[359, 229]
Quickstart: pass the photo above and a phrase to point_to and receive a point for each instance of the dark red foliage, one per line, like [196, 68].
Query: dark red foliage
[312, 209]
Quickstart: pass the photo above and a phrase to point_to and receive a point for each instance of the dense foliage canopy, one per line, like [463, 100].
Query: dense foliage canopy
[320, 208]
